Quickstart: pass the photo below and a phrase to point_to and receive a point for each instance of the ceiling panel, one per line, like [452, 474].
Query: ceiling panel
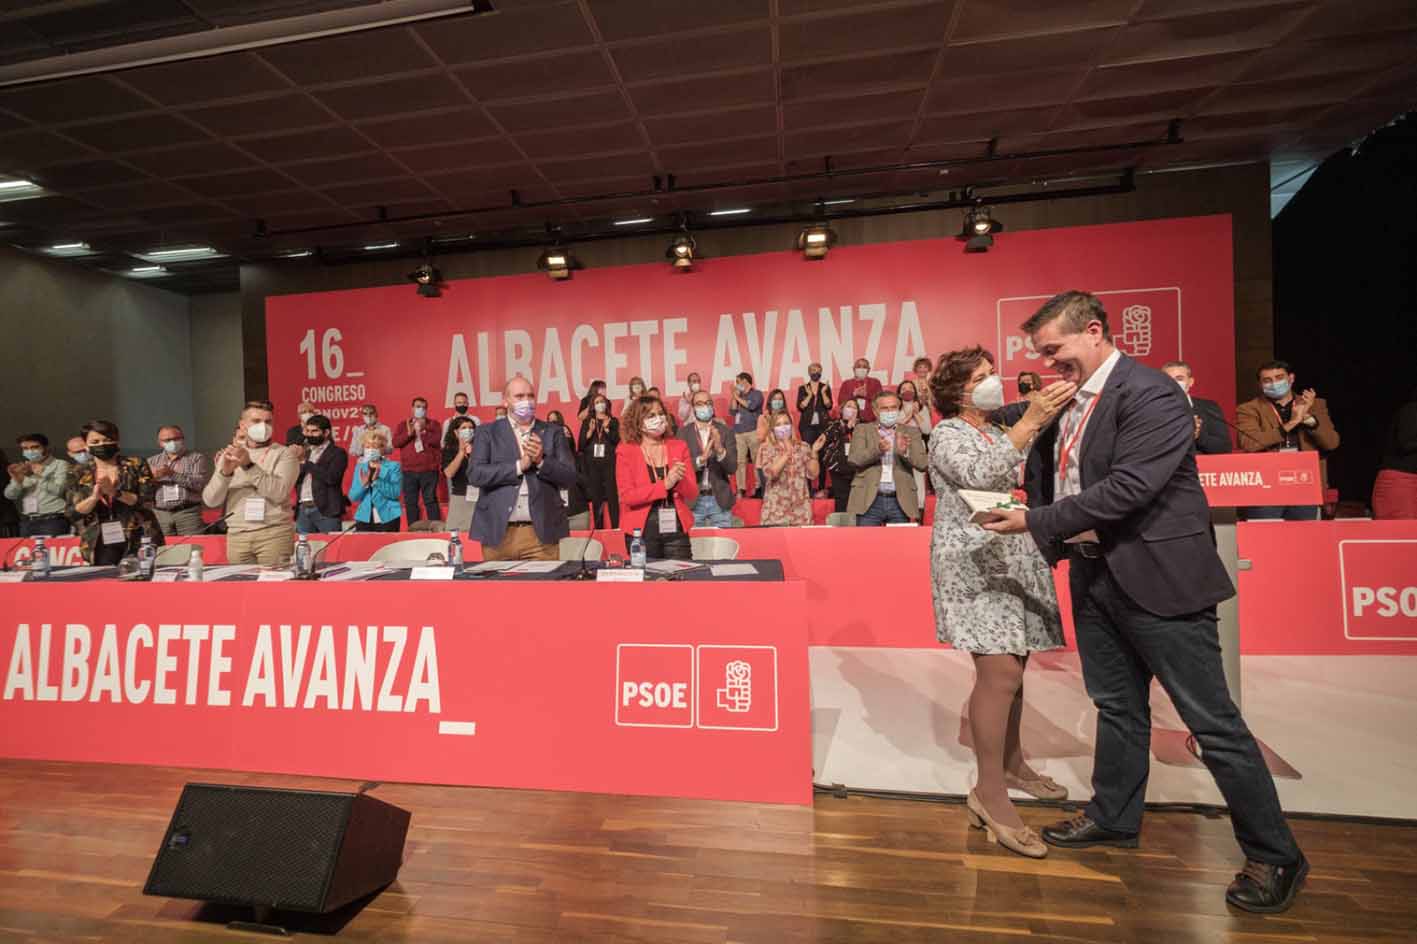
[263, 116]
[198, 80]
[208, 157]
[738, 123]
[856, 33]
[681, 56]
[352, 57]
[508, 33]
[548, 115]
[448, 125]
[543, 75]
[395, 97]
[72, 100]
[632, 19]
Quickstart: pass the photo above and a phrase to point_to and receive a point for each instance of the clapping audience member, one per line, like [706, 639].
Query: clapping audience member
[319, 485]
[419, 443]
[747, 407]
[862, 388]
[1280, 421]
[714, 455]
[788, 466]
[180, 475]
[993, 594]
[1211, 436]
[376, 487]
[295, 436]
[107, 499]
[599, 438]
[457, 454]
[656, 482]
[597, 389]
[692, 385]
[78, 451]
[252, 486]
[836, 449]
[370, 413]
[776, 401]
[915, 413]
[39, 487]
[885, 456]
[814, 410]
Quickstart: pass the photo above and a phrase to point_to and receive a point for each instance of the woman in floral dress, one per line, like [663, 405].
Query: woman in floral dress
[788, 465]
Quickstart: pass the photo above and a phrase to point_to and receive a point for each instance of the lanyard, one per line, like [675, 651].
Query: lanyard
[1065, 453]
[980, 430]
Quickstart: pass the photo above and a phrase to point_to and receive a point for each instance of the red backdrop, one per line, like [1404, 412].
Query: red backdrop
[1167, 285]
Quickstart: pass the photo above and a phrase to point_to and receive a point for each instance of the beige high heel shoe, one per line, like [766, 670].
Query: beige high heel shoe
[1041, 788]
[1023, 841]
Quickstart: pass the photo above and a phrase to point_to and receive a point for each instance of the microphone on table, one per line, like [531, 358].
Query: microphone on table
[1264, 447]
[583, 572]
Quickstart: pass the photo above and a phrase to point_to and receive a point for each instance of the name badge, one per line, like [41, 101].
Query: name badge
[816, 419]
[111, 532]
[861, 403]
[598, 451]
[472, 494]
[565, 496]
[668, 521]
[1289, 449]
[169, 493]
[418, 445]
[255, 509]
[31, 504]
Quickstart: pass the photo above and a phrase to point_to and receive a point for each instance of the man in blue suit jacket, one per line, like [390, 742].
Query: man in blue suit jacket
[1112, 486]
[520, 466]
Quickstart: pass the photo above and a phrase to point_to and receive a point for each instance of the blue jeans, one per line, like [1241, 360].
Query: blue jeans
[883, 511]
[425, 484]
[1123, 647]
[707, 514]
[1282, 512]
[308, 520]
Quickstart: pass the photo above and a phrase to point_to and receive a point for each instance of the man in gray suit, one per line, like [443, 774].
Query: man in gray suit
[885, 457]
[714, 449]
[1112, 486]
[520, 466]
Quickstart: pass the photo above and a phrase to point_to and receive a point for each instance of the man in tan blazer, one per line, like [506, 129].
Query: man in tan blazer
[885, 457]
[1280, 421]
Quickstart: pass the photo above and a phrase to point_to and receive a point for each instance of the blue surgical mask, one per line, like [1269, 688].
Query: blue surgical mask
[172, 446]
[704, 413]
[1277, 390]
[524, 409]
[33, 455]
[888, 417]
[419, 412]
[371, 453]
[81, 458]
[777, 403]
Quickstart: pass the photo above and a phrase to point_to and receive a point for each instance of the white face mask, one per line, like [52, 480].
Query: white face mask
[693, 386]
[988, 394]
[861, 373]
[465, 433]
[371, 453]
[259, 432]
[654, 424]
[370, 420]
[172, 447]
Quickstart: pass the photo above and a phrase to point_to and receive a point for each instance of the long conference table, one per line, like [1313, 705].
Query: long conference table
[690, 688]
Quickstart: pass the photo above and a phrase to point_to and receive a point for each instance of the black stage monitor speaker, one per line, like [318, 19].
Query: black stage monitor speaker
[290, 850]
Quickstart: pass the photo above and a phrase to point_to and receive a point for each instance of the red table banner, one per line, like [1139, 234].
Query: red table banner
[642, 689]
[1261, 478]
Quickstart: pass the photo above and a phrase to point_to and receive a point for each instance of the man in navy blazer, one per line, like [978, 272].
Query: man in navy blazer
[1112, 486]
[520, 466]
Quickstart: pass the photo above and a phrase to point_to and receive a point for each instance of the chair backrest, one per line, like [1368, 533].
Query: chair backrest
[411, 551]
[841, 519]
[317, 546]
[714, 548]
[574, 549]
[423, 524]
[173, 555]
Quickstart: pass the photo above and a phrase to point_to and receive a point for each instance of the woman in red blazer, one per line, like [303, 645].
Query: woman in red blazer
[656, 483]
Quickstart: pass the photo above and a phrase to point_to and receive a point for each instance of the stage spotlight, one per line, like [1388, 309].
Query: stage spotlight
[557, 263]
[979, 229]
[683, 252]
[816, 240]
[428, 279]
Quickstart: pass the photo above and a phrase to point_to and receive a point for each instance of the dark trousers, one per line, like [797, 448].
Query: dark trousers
[883, 511]
[841, 488]
[310, 520]
[1123, 647]
[809, 436]
[1282, 513]
[372, 526]
[601, 491]
[51, 526]
[674, 546]
[416, 484]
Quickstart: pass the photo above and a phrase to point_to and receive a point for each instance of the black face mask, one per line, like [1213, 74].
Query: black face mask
[1025, 389]
[314, 440]
[104, 451]
[461, 409]
[815, 375]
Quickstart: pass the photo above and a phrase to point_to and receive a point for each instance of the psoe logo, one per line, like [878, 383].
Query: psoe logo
[1295, 477]
[736, 695]
[1379, 582]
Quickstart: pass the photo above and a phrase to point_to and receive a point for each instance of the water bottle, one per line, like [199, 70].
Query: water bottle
[147, 558]
[39, 564]
[304, 563]
[195, 565]
[637, 551]
[455, 553]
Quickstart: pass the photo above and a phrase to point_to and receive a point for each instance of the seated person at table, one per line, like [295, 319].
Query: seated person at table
[319, 487]
[788, 465]
[376, 487]
[107, 499]
[252, 485]
[656, 482]
[714, 452]
[885, 457]
[519, 466]
[38, 486]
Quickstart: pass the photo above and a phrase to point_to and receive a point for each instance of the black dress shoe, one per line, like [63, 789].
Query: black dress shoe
[1267, 889]
[1081, 832]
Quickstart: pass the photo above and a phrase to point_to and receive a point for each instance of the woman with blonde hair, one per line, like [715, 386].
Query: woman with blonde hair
[788, 466]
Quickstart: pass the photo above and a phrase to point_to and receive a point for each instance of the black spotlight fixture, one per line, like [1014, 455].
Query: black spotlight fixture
[557, 263]
[979, 229]
[682, 252]
[816, 240]
[428, 279]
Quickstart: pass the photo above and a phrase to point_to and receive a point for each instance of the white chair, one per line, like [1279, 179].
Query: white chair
[424, 524]
[841, 519]
[711, 549]
[317, 546]
[411, 551]
[174, 555]
[574, 549]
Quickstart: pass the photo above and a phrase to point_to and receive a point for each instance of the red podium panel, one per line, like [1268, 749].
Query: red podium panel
[638, 689]
[1261, 478]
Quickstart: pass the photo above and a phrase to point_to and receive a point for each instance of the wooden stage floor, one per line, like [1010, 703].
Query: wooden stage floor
[76, 842]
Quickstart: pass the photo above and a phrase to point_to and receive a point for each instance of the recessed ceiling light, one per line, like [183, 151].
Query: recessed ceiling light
[638, 219]
[16, 189]
[62, 246]
[735, 212]
[837, 202]
[17, 185]
[376, 246]
[179, 254]
[68, 249]
[298, 254]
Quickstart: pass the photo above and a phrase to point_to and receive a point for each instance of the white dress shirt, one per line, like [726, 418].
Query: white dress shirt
[522, 510]
[1072, 427]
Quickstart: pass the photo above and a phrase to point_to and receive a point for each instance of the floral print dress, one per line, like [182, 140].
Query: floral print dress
[993, 593]
[786, 500]
[134, 475]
